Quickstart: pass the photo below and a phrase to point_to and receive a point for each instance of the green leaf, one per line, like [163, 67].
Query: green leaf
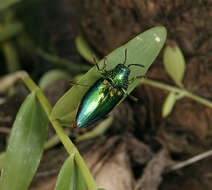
[25, 146]
[4, 4]
[97, 131]
[143, 49]
[84, 49]
[174, 63]
[9, 30]
[2, 156]
[70, 177]
[11, 56]
[50, 77]
[65, 175]
[169, 104]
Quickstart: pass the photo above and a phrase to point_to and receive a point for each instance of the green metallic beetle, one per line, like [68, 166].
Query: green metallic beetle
[101, 98]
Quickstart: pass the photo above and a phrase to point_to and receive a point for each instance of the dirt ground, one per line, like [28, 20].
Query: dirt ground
[136, 153]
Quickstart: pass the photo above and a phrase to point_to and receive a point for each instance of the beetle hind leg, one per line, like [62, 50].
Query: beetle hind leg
[130, 96]
[72, 83]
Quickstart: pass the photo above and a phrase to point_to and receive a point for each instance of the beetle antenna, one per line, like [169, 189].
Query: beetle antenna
[125, 56]
[136, 65]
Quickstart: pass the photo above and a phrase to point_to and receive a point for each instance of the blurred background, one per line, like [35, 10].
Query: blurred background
[54, 42]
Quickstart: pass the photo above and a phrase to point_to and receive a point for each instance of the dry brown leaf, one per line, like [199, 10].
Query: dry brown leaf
[110, 166]
[138, 151]
[152, 175]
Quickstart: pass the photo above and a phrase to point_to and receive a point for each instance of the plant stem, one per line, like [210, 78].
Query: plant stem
[181, 91]
[190, 161]
[198, 99]
[69, 146]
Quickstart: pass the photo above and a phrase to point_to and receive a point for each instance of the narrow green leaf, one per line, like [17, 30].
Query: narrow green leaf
[169, 104]
[69, 177]
[50, 77]
[174, 63]
[143, 49]
[84, 49]
[65, 175]
[79, 183]
[25, 145]
[4, 4]
[97, 131]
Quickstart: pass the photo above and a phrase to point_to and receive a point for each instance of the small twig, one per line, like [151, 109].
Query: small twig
[9, 80]
[189, 161]
[181, 91]
[47, 173]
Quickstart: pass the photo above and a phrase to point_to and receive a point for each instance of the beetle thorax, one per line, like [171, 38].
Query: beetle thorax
[118, 76]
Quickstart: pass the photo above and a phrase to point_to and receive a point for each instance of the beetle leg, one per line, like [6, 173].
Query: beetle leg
[125, 56]
[130, 81]
[130, 96]
[74, 83]
[133, 98]
[95, 62]
[105, 64]
[140, 76]
[103, 70]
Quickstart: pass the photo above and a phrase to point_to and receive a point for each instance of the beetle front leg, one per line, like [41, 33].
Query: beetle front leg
[140, 76]
[103, 70]
[130, 81]
[125, 56]
[95, 62]
[105, 64]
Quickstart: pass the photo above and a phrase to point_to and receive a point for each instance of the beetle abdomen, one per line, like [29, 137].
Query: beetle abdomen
[97, 102]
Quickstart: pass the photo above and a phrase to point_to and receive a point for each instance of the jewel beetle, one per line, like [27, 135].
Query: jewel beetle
[105, 93]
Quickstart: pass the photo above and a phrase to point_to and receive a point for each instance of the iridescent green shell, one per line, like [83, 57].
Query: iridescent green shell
[97, 102]
[101, 98]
